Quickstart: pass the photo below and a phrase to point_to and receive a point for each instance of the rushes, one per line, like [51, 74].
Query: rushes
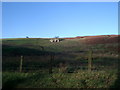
[62, 68]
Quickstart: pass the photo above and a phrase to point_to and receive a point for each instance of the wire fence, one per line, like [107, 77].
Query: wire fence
[64, 62]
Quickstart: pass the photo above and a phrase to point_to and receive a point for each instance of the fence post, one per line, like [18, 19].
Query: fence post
[42, 48]
[50, 63]
[21, 61]
[90, 60]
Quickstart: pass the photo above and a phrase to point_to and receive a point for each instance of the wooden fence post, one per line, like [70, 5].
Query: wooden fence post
[50, 63]
[42, 48]
[90, 60]
[21, 61]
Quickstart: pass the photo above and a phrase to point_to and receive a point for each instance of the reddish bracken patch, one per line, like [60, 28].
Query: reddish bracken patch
[101, 39]
[69, 38]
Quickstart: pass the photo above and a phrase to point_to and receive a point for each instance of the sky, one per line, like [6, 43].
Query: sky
[63, 19]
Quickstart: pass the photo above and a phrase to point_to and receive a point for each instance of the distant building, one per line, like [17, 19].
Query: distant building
[54, 40]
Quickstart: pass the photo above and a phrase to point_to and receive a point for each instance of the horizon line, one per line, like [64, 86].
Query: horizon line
[59, 37]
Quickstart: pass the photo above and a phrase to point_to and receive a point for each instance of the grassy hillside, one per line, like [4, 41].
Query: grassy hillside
[73, 45]
[64, 45]
[69, 58]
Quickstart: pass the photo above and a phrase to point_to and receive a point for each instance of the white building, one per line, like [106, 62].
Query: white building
[54, 40]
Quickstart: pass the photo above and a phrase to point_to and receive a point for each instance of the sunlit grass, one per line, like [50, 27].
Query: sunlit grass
[80, 79]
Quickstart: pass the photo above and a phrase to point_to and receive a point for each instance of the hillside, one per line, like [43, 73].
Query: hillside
[102, 43]
[77, 62]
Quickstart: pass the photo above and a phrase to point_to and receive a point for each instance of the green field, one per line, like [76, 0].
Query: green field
[68, 61]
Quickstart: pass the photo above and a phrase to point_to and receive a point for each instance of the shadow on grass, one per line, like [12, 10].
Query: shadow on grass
[18, 79]
[117, 82]
[10, 84]
[18, 51]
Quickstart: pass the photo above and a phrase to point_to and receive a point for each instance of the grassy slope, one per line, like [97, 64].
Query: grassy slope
[65, 45]
[36, 43]
[72, 51]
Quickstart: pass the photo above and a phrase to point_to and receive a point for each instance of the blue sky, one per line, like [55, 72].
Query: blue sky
[63, 19]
